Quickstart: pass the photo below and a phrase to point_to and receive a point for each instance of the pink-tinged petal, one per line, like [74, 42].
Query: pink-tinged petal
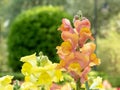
[60, 87]
[72, 37]
[86, 23]
[88, 48]
[81, 24]
[66, 25]
[82, 59]
[107, 85]
[64, 63]
[84, 38]
[74, 75]
[55, 87]
[75, 70]
[77, 25]
[85, 34]
[84, 76]
[69, 59]
[76, 57]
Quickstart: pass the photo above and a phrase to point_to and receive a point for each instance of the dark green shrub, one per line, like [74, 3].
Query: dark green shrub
[34, 31]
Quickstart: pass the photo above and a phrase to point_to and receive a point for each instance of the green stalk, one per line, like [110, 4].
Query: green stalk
[87, 86]
[78, 85]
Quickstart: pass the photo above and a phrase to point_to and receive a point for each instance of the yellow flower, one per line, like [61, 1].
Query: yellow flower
[27, 78]
[28, 86]
[44, 78]
[5, 82]
[40, 71]
[8, 87]
[48, 74]
[26, 69]
[58, 76]
[30, 59]
[97, 84]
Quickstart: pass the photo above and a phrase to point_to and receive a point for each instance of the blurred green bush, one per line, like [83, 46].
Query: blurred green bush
[33, 31]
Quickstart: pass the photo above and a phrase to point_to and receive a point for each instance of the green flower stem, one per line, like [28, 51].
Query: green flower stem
[78, 85]
[87, 86]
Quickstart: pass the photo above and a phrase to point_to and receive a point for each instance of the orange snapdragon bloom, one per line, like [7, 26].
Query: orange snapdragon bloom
[85, 34]
[64, 50]
[76, 54]
[66, 25]
[71, 37]
[85, 23]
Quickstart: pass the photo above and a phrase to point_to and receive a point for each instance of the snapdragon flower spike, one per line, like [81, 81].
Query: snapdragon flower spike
[76, 54]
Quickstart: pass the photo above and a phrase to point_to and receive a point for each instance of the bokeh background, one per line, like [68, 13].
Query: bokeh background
[29, 26]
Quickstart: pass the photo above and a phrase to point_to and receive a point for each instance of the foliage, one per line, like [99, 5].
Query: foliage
[34, 31]
[108, 49]
[115, 81]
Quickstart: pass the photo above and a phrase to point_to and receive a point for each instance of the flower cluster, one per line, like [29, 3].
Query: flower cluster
[76, 53]
[39, 72]
[77, 57]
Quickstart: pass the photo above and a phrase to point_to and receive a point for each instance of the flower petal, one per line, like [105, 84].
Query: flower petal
[84, 76]
[94, 60]
[30, 59]
[80, 24]
[85, 34]
[72, 37]
[64, 50]
[88, 48]
[66, 26]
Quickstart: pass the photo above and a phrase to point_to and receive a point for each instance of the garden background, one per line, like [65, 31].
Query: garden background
[27, 27]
